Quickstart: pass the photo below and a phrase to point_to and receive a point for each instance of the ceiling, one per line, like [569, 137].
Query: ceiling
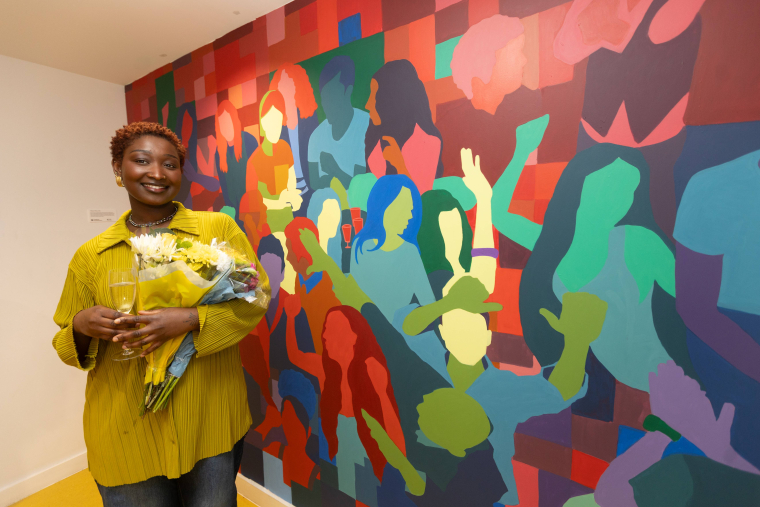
[118, 41]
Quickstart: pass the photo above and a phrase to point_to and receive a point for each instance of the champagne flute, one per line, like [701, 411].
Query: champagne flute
[122, 284]
[346, 228]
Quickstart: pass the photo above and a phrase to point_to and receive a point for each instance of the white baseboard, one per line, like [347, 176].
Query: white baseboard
[41, 480]
[258, 494]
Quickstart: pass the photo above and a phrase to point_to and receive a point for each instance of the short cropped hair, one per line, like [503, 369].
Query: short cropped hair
[342, 65]
[128, 134]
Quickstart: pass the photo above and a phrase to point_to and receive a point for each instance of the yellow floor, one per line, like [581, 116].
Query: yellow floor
[79, 490]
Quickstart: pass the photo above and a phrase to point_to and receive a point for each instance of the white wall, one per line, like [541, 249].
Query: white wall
[55, 129]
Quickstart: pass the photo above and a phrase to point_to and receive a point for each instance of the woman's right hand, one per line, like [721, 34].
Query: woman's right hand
[98, 322]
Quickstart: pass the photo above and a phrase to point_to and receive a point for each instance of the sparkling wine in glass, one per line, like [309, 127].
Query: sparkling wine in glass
[122, 284]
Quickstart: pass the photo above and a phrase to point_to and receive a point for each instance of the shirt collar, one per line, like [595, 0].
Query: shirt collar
[185, 220]
[310, 282]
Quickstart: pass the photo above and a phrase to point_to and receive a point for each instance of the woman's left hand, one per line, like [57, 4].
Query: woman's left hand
[159, 326]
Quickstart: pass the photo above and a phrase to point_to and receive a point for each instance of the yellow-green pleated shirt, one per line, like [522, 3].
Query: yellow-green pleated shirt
[208, 411]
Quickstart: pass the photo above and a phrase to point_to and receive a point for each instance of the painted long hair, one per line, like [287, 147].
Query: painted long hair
[384, 192]
[432, 245]
[304, 92]
[363, 394]
[556, 236]
[401, 103]
[221, 143]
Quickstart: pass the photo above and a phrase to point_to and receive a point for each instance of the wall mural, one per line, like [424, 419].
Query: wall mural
[513, 245]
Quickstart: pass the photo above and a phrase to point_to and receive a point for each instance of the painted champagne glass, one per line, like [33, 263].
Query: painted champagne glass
[358, 224]
[346, 228]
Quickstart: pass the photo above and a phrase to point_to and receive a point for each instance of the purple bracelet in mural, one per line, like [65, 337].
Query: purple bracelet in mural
[485, 252]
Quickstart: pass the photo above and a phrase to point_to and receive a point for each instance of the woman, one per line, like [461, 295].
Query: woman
[174, 456]
[324, 210]
[385, 260]
[270, 169]
[353, 376]
[233, 149]
[599, 236]
[446, 239]
[300, 110]
[401, 137]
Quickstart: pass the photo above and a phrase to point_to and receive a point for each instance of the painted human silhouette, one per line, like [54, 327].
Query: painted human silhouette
[387, 247]
[599, 236]
[271, 170]
[314, 290]
[401, 137]
[678, 402]
[718, 242]
[301, 117]
[448, 247]
[324, 211]
[234, 148]
[194, 182]
[485, 396]
[336, 147]
[353, 376]
[487, 66]
[265, 348]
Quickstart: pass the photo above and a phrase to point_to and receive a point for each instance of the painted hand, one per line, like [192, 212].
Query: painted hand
[395, 457]
[529, 135]
[292, 306]
[682, 404]
[392, 153]
[292, 198]
[473, 176]
[582, 318]
[469, 294]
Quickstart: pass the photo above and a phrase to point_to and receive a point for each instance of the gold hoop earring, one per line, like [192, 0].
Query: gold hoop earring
[119, 182]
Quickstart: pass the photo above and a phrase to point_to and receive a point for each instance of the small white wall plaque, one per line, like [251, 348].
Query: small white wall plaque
[101, 215]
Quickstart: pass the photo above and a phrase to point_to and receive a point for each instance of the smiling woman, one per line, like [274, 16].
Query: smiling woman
[184, 450]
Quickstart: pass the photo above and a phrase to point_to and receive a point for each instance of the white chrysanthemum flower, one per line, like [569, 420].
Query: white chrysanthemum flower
[156, 249]
[222, 260]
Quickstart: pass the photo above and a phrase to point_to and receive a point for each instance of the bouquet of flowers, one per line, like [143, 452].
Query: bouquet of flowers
[175, 272]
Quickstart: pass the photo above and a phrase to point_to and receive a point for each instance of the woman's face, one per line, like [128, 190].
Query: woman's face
[372, 103]
[287, 87]
[339, 338]
[398, 214]
[329, 219]
[451, 229]
[150, 170]
[226, 127]
[607, 194]
[271, 124]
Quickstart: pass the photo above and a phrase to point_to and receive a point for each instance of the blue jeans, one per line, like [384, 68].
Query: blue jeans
[211, 483]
